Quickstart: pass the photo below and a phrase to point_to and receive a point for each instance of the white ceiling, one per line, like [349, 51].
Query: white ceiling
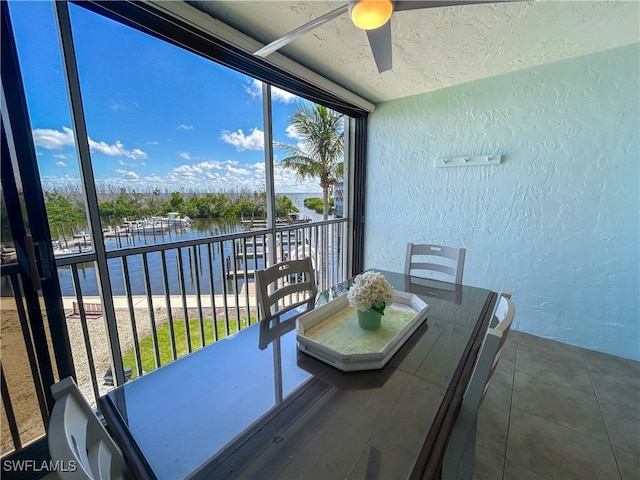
[437, 47]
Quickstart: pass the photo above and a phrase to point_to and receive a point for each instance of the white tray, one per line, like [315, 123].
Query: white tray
[331, 332]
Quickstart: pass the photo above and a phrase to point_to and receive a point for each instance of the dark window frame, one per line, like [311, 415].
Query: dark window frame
[149, 19]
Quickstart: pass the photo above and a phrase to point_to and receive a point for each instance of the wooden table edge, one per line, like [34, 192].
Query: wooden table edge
[133, 457]
[429, 461]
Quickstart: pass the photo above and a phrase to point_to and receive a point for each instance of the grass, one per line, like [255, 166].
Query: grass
[147, 354]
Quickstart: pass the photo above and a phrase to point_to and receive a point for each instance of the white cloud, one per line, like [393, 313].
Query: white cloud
[254, 88]
[195, 172]
[152, 142]
[128, 174]
[63, 156]
[237, 171]
[286, 180]
[212, 165]
[120, 105]
[53, 139]
[137, 153]
[210, 176]
[185, 127]
[282, 96]
[122, 163]
[61, 164]
[60, 181]
[50, 139]
[216, 176]
[184, 155]
[253, 141]
[116, 150]
[291, 133]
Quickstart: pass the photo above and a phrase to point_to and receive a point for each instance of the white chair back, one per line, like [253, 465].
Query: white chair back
[458, 458]
[429, 258]
[286, 286]
[78, 440]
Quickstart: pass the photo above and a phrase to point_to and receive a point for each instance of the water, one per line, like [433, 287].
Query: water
[298, 201]
[198, 262]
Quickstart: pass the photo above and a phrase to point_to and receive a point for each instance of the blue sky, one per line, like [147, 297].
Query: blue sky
[157, 116]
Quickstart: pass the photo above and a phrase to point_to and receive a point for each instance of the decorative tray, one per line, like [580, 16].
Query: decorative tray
[331, 332]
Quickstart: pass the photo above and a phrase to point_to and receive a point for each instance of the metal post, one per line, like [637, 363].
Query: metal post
[269, 170]
[88, 183]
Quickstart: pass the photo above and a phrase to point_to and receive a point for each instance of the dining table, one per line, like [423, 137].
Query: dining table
[253, 405]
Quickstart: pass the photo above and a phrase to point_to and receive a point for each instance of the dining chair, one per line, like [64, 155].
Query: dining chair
[78, 440]
[428, 287]
[459, 455]
[433, 258]
[286, 286]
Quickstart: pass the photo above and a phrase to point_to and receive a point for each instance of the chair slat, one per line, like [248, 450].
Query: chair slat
[76, 434]
[423, 257]
[279, 288]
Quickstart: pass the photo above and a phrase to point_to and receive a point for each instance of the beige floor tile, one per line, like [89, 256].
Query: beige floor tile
[558, 412]
[629, 463]
[487, 465]
[572, 408]
[516, 472]
[557, 452]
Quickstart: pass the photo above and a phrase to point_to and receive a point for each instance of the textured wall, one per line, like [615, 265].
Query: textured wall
[557, 223]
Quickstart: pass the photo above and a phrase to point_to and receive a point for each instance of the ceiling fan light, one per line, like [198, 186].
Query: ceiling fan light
[370, 14]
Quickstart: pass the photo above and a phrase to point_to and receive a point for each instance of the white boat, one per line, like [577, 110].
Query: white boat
[173, 219]
[7, 254]
[58, 249]
[146, 226]
[118, 231]
[293, 219]
[154, 225]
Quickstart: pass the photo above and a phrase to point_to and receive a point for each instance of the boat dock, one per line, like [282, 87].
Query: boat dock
[121, 302]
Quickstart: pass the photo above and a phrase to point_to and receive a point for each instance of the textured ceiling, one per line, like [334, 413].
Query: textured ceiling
[437, 47]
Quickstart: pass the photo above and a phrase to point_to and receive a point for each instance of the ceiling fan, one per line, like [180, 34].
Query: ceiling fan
[373, 16]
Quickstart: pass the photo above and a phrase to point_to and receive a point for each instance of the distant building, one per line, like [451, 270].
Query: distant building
[338, 200]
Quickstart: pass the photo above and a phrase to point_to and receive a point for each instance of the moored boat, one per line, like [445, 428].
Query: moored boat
[293, 219]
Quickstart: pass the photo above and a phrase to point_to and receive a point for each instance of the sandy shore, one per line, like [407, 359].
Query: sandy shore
[17, 370]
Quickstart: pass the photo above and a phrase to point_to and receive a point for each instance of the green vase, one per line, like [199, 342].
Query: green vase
[369, 319]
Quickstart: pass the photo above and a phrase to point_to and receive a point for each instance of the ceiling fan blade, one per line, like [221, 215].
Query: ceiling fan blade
[401, 5]
[307, 27]
[380, 42]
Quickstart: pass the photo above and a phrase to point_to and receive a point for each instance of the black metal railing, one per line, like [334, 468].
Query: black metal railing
[171, 298]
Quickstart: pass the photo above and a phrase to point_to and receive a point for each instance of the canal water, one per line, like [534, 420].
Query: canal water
[197, 263]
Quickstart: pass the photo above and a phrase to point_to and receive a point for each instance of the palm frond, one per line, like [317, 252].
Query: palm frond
[321, 152]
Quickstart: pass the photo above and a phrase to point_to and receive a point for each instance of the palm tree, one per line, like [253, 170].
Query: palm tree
[320, 131]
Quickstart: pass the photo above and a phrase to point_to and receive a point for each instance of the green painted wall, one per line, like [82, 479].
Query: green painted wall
[556, 223]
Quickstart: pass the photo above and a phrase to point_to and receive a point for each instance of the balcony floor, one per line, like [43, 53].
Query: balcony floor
[554, 411]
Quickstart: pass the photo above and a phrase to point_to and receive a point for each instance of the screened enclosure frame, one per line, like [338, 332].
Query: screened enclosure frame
[152, 20]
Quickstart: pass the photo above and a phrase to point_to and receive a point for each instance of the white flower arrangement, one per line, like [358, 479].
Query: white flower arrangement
[370, 290]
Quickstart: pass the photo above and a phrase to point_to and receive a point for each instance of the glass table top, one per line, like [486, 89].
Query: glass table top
[252, 404]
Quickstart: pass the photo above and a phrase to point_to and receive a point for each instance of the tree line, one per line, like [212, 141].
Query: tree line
[321, 132]
[317, 204]
[66, 206]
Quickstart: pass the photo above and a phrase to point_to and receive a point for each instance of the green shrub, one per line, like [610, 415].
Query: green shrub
[164, 343]
[315, 203]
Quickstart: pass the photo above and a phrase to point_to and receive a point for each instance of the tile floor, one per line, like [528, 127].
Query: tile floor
[558, 412]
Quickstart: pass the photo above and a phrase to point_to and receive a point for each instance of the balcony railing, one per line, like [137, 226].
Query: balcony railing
[173, 298]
